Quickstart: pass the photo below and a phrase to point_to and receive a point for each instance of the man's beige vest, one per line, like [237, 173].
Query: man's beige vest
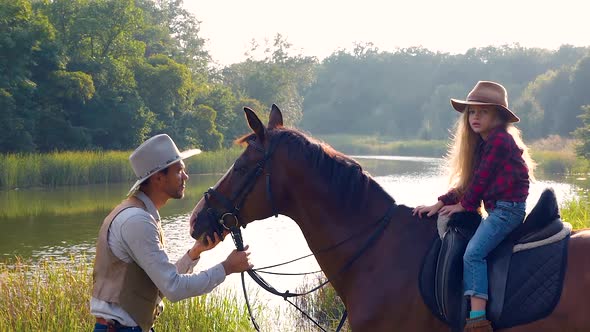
[125, 284]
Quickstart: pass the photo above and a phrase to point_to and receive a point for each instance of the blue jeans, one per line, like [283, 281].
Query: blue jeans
[502, 220]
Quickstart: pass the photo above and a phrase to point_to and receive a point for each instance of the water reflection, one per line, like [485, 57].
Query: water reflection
[58, 222]
[64, 221]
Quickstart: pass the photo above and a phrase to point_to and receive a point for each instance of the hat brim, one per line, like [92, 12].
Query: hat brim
[183, 155]
[459, 106]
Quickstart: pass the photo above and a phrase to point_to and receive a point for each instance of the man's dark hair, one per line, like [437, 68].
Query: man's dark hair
[147, 181]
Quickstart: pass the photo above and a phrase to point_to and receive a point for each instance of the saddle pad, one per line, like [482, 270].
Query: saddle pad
[534, 286]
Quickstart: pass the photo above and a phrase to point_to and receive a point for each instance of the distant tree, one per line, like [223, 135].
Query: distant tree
[26, 46]
[201, 130]
[279, 78]
[173, 31]
[105, 74]
[223, 101]
[552, 101]
[439, 116]
[583, 133]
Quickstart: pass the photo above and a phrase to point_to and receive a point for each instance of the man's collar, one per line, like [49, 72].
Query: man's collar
[151, 208]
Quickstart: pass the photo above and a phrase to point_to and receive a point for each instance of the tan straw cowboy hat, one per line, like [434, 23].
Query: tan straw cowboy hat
[487, 93]
[154, 155]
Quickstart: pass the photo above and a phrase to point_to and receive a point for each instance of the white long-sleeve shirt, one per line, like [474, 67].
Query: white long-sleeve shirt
[134, 236]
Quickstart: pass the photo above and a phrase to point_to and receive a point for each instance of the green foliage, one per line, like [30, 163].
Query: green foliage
[554, 162]
[553, 101]
[583, 134]
[576, 212]
[383, 145]
[107, 74]
[556, 155]
[80, 168]
[102, 74]
[201, 129]
[324, 306]
[279, 78]
[405, 94]
[54, 296]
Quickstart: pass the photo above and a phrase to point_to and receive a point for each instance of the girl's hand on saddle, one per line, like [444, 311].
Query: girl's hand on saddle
[429, 210]
[448, 210]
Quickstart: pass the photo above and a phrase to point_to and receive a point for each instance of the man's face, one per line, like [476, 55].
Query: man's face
[174, 181]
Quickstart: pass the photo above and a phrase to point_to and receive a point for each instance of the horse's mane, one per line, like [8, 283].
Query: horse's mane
[349, 183]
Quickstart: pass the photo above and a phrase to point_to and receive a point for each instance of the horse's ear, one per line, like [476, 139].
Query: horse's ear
[275, 120]
[255, 123]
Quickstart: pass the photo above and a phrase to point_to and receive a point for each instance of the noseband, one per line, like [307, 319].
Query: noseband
[229, 217]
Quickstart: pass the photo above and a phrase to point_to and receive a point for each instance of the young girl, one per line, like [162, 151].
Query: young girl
[490, 163]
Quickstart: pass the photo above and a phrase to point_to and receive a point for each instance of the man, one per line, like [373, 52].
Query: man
[132, 271]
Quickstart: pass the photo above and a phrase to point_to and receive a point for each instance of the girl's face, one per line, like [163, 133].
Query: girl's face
[482, 119]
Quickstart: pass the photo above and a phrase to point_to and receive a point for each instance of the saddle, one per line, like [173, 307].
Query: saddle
[525, 272]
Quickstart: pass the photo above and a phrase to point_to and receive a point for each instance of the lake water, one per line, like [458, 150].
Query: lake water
[64, 222]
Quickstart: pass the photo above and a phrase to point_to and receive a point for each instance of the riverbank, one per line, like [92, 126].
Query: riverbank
[553, 156]
[54, 296]
[91, 167]
[382, 145]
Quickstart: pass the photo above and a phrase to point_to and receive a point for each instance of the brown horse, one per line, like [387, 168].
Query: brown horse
[330, 197]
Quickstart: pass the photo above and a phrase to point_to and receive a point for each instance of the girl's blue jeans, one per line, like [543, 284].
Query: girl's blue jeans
[502, 220]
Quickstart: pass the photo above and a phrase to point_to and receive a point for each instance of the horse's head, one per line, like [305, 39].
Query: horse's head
[246, 192]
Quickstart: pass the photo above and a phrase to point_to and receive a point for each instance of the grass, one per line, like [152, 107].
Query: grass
[577, 212]
[54, 296]
[554, 155]
[381, 145]
[324, 306]
[90, 167]
[559, 162]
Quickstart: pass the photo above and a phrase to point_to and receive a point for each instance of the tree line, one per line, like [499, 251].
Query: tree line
[106, 74]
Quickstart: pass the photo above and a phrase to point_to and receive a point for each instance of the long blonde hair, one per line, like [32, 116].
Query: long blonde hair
[460, 159]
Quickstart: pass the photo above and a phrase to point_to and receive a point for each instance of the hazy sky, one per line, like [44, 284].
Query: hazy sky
[319, 27]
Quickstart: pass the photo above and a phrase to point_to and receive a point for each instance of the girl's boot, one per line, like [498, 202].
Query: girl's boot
[478, 325]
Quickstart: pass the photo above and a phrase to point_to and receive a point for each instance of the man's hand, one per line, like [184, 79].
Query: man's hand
[237, 261]
[448, 210]
[199, 247]
[429, 210]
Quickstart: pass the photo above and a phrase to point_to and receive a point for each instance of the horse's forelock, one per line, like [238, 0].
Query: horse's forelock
[244, 139]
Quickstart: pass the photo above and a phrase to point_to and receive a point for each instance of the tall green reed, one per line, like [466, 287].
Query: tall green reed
[53, 296]
[323, 305]
[90, 167]
[379, 145]
[576, 212]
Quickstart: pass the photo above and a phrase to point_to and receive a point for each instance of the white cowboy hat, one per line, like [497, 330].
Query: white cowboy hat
[154, 155]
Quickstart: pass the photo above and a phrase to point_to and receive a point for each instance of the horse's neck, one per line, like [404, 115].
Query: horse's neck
[320, 216]
[325, 223]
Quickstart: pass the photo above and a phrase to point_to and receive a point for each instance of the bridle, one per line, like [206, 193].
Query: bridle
[219, 222]
[229, 218]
